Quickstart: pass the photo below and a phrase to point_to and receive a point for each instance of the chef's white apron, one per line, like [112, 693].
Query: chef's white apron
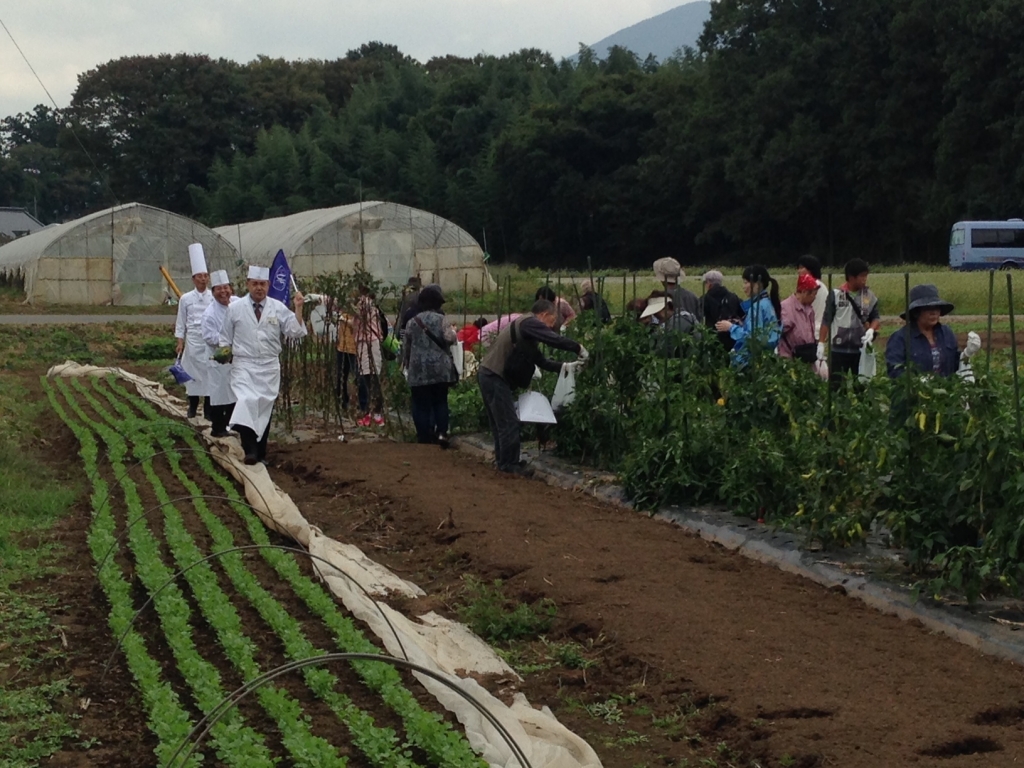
[254, 385]
[218, 380]
[195, 361]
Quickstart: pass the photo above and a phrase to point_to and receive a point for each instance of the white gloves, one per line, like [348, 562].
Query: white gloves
[821, 350]
[573, 367]
[869, 336]
[583, 355]
[973, 346]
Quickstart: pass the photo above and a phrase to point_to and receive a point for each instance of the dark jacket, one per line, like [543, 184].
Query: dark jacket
[530, 332]
[722, 304]
[685, 299]
[921, 351]
[594, 300]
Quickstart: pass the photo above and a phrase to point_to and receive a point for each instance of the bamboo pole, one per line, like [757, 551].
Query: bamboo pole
[988, 343]
[170, 281]
[1013, 353]
[828, 359]
[625, 276]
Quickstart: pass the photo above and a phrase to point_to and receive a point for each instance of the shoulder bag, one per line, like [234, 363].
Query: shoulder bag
[453, 372]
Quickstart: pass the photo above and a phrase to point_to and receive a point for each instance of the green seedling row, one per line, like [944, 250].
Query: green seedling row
[235, 742]
[304, 748]
[380, 745]
[424, 729]
[165, 715]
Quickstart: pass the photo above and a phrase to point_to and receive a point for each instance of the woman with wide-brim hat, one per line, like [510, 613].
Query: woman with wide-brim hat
[932, 345]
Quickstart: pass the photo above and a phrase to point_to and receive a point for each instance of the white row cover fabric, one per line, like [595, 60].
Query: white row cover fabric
[443, 646]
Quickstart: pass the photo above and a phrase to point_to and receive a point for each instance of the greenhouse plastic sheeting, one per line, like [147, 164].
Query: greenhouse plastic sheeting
[392, 242]
[113, 257]
[443, 646]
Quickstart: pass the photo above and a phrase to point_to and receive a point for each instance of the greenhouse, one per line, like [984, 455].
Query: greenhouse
[112, 257]
[393, 242]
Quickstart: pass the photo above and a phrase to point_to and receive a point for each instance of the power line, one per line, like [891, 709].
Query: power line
[68, 124]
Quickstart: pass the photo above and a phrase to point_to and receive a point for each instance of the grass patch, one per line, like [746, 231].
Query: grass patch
[967, 290]
[30, 347]
[33, 725]
[152, 348]
[496, 618]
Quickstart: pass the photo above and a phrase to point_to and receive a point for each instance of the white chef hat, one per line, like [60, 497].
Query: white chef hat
[220, 277]
[259, 273]
[197, 258]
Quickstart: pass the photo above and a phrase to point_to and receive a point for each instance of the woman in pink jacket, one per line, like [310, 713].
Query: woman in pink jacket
[797, 320]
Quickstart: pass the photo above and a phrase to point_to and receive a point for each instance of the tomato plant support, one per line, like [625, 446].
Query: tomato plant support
[625, 277]
[988, 344]
[1013, 355]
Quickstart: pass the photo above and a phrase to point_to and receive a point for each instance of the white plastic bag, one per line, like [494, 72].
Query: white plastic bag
[535, 408]
[868, 365]
[565, 388]
[459, 356]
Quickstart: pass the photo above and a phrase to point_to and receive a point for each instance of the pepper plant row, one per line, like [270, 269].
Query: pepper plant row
[934, 463]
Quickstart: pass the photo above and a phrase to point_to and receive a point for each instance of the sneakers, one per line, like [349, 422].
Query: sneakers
[443, 441]
[365, 421]
[378, 419]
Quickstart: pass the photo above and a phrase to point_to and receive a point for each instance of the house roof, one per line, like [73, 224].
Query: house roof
[17, 222]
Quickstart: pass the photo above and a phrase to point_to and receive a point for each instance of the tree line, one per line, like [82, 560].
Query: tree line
[837, 127]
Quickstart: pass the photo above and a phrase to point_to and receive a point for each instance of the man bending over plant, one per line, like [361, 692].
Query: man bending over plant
[509, 365]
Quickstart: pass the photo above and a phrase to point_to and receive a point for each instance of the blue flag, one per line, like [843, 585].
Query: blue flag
[280, 279]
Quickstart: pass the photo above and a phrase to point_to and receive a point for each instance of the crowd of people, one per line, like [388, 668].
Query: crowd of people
[833, 331]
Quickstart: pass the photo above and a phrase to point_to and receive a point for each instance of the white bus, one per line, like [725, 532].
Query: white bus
[987, 245]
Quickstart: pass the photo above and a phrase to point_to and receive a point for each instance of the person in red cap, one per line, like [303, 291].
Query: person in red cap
[798, 338]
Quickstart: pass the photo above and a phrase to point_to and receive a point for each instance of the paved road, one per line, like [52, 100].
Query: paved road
[85, 319]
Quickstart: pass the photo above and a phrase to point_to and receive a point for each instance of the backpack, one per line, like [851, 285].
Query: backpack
[520, 364]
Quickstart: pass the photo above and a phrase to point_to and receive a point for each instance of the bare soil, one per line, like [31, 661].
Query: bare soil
[762, 668]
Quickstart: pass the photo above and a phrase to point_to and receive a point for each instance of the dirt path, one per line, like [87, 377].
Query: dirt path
[802, 676]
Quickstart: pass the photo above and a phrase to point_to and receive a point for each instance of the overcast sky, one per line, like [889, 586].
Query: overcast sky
[63, 38]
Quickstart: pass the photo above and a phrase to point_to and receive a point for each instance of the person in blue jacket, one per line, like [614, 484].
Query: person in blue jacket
[761, 315]
[932, 345]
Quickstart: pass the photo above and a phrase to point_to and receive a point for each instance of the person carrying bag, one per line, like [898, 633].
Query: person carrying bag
[509, 365]
[427, 358]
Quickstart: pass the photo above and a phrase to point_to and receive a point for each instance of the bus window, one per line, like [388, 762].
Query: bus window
[997, 238]
[957, 238]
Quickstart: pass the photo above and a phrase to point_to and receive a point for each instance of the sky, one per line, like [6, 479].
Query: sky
[64, 38]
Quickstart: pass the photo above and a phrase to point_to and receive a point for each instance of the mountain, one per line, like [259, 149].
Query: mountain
[661, 35]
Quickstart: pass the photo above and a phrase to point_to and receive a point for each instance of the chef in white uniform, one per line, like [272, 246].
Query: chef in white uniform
[191, 348]
[253, 328]
[218, 375]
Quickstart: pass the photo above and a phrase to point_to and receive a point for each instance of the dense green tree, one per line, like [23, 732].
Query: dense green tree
[853, 127]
